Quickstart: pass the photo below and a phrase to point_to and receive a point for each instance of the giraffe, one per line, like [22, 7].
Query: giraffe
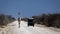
[19, 19]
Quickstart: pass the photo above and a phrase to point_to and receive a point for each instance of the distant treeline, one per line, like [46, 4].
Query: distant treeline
[50, 20]
[6, 19]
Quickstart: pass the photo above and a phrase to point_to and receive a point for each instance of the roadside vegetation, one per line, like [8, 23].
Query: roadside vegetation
[6, 19]
[50, 20]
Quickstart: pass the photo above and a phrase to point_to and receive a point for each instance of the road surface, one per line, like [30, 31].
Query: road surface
[12, 28]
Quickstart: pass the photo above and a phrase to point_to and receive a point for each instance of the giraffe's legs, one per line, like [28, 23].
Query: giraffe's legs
[19, 24]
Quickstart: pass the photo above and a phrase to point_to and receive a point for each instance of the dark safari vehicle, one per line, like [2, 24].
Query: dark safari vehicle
[31, 22]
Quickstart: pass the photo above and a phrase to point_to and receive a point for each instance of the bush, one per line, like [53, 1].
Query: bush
[50, 20]
[5, 19]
